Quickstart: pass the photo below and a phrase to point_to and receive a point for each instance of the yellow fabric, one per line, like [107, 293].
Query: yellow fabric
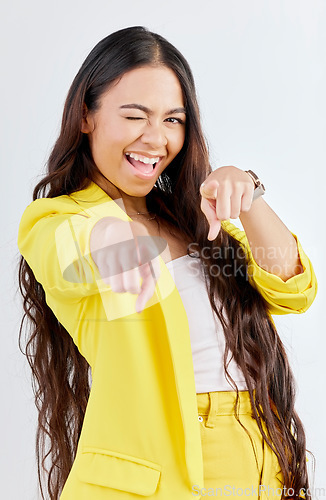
[233, 465]
[140, 434]
[292, 296]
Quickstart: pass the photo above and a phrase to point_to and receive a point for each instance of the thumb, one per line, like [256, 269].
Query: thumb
[208, 189]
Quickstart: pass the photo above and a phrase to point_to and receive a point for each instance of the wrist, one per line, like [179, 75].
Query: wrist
[259, 188]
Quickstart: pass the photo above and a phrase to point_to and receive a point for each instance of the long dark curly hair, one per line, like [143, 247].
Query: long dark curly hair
[60, 374]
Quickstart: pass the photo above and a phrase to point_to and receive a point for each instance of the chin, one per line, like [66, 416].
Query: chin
[137, 193]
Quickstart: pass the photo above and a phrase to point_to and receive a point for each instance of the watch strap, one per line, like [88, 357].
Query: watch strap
[259, 186]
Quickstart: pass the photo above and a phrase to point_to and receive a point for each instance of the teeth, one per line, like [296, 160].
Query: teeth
[143, 159]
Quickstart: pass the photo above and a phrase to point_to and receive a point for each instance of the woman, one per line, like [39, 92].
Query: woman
[131, 267]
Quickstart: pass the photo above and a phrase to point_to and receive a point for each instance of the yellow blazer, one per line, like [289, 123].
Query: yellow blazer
[140, 434]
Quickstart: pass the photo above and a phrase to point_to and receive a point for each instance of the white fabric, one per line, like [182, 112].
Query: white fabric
[206, 332]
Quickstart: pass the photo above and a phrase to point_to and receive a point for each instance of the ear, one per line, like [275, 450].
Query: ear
[87, 122]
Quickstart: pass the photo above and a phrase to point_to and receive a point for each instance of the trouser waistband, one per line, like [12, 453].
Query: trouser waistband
[218, 403]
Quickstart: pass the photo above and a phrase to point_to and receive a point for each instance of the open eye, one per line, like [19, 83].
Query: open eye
[177, 120]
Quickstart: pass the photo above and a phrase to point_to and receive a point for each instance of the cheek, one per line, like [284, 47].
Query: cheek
[113, 133]
[176, 142]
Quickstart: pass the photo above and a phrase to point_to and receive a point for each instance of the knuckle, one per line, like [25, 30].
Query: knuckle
[250, 186]
[117, 284]
[221, 214]
[227, 182]
[117, 289]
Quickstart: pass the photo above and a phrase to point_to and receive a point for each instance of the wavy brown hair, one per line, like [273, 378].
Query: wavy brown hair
[60, 374]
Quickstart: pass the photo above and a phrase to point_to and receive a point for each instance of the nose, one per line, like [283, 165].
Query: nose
[154, 135]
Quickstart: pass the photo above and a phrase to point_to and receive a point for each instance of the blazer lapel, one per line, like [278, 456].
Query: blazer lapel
[177, 329]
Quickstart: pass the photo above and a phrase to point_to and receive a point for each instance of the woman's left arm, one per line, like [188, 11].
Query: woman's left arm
[273, 246]
[227, 194]
[277, 264]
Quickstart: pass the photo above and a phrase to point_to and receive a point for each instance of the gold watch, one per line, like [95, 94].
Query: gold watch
[259, 186]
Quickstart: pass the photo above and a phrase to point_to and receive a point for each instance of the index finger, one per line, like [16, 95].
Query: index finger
[150, 273]
[208, 207]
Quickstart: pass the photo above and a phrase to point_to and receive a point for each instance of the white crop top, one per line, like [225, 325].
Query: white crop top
[206, 332]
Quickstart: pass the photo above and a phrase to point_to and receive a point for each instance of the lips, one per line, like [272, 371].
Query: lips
[140, 165]
[142, 170]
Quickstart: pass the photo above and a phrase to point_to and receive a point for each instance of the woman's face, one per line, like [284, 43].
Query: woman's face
[142, 115]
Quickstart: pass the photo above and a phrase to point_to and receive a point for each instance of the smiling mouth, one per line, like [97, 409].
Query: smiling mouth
[141, 166]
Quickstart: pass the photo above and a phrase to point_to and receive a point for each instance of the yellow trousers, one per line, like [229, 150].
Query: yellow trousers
[230, 466]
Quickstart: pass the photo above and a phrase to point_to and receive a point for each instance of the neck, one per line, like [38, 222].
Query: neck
[130, 204]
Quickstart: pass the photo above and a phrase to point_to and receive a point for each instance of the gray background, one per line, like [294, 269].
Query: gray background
[260, 70]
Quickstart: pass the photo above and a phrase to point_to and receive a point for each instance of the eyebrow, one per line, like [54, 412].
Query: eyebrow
[149, 111]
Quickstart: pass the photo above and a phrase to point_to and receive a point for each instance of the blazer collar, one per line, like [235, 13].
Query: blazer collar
[92, 193]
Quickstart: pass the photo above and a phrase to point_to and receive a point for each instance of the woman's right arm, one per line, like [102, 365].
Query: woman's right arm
[54, 238]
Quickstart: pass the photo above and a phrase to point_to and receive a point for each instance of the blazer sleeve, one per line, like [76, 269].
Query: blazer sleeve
[53, 238]
[294, 295]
